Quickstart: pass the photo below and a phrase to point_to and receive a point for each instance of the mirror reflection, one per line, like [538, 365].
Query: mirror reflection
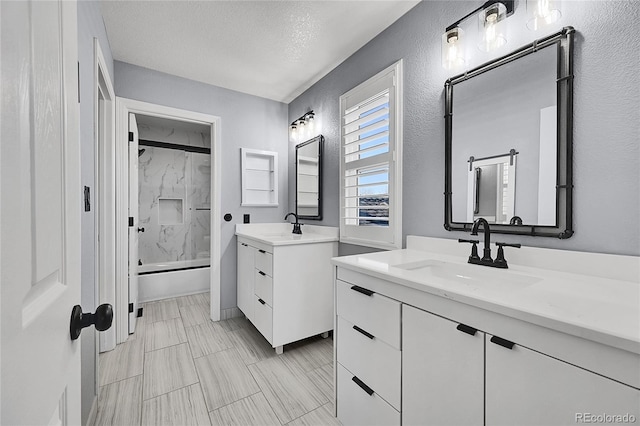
[309, 179]
[503, 118]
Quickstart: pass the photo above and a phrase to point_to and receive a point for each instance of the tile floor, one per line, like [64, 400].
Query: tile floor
[180, 368]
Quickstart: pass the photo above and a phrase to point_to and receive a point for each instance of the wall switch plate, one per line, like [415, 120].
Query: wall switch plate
[247, 218]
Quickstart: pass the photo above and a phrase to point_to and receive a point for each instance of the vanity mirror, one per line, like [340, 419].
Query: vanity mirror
[309, 178]
[508, 141]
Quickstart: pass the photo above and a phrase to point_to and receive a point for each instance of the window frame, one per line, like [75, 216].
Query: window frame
[377, 236]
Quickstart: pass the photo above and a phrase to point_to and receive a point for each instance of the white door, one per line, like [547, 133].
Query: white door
[133, 222]
[40, 203]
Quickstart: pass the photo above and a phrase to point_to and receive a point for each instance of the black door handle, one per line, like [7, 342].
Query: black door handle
[502, 342]
[362, 290]
[140, 229]
[102, 319]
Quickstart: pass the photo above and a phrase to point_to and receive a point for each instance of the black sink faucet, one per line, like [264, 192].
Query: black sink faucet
[486, 254]
[296, 225]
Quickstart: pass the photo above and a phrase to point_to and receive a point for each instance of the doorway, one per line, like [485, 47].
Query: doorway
[125, 109]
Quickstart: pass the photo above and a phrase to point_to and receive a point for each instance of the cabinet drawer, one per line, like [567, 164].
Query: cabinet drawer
[375, 313]
[264, 287]
[264, 262]
[263, 319]
[357, 407]
[375, 362]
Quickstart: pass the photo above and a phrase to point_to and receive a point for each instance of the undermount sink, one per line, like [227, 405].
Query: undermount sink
[469, 274]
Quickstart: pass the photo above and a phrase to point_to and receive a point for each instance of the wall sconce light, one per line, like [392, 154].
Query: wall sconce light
[303, 128]
[541, 13]
[490, 15]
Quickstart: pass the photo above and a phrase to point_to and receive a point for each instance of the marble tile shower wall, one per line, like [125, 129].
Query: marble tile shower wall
[174, 204]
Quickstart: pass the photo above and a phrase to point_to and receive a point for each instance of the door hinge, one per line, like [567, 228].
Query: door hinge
[139, 312]
[130, 136]
[130, 221]
[130, 308]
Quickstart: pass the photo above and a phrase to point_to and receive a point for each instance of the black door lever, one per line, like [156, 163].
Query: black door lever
[102, 319]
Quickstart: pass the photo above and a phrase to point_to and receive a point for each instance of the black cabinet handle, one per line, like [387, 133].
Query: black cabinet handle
[364, 387]
[244, 244]
[502, 342]
[358, 329]
[262, 273]
[261, 251]
[362, 290]
[261, 301]
[466, 329]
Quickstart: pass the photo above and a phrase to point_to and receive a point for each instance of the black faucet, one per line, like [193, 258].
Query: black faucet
[296, 225]
[486, 260]
[486, 254]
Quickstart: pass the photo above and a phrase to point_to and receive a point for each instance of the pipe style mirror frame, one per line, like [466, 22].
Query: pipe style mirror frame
[300, 209]
[564, 138]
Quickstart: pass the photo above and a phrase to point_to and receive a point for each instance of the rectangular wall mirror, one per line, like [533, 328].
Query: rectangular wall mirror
[309, 179]
[509, 141]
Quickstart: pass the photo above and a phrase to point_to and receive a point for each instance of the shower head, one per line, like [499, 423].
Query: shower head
[141, 151]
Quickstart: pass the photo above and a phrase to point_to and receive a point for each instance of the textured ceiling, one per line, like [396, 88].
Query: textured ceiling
[272, 49]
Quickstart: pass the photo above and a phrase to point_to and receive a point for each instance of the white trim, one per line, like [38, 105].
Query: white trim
[355, 96]
[104, 195]
[123, 108]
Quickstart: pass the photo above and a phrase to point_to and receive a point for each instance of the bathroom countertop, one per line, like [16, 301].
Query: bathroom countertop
[597, 308]
[279, 234]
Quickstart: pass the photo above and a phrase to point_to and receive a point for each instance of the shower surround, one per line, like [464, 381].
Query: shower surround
[174, 198]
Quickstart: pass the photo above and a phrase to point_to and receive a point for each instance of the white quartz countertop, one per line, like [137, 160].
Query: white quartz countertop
[279, 234]
[596, 308]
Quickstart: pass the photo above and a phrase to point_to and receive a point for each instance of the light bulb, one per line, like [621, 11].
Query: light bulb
[541, 13]
[311, 124]
[488, 25]
[294, 132]
[452, 49]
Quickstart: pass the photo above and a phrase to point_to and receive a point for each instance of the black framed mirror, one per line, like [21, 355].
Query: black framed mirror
[309, 179]
[508, 141]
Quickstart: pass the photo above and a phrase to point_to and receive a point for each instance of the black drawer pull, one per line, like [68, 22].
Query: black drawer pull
[502, 342]
[262, 273]
[466, 329]
[261, 301]
[262, 251]
[358, 329]
[362, 290]
[244, 244]
[364, 387]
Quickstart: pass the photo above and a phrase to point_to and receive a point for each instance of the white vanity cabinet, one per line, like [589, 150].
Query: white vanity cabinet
[458, 369]
[442, 370]
[286, 290]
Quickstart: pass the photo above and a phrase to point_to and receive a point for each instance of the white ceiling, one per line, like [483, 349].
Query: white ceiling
[272, 49]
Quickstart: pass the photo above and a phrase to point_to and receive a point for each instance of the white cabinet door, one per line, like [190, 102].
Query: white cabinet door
[442, 371]
[40, 214]
[246, 268]
[525, 387]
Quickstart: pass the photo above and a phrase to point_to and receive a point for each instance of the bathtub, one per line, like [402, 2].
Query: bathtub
[163, 280]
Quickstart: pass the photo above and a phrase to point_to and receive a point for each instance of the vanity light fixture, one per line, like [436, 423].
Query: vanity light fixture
[541, 13]
[303, 128]
[490, 16]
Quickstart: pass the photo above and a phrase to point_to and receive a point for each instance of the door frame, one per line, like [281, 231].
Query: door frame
[104, 193]
[125, 106]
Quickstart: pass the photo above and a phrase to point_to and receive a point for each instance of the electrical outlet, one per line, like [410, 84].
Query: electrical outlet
[247, 218]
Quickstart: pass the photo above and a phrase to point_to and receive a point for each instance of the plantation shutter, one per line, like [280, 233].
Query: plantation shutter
[370, 178]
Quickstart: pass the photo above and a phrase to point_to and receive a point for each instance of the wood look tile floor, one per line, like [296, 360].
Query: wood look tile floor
[180, 368]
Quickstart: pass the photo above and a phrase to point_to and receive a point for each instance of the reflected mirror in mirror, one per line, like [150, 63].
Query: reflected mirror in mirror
[309, 179]
[509, 142]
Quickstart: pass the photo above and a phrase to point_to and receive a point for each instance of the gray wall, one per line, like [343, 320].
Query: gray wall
[90, 25]
[606, 114]
[246, 121]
